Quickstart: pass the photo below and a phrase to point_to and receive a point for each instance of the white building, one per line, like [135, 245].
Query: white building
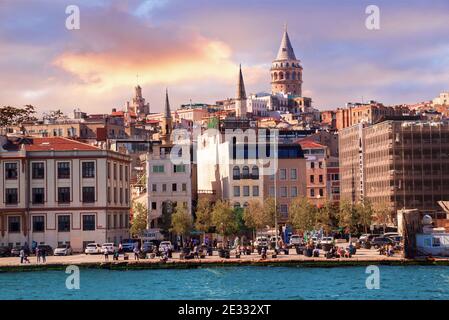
[56, 190]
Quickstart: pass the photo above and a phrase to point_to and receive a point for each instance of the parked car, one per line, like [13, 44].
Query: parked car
[381, 241]
[396, 239]
[367, 237]
[164, 245]
[63, 250]
[5, 251]
[295, 240]
[148, 247]
[260, 243]
[327, 240]
[92, 248]
[45, 247]
[391, 234]
[15, 251]
[109, 246]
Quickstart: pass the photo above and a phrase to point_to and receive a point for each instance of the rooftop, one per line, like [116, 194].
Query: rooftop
[46, 144]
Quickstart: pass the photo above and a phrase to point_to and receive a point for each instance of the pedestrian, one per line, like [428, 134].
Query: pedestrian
[106, 254]
[22, 255]
[43, 255]
[120, 248]
[136, 253]
[38, 255]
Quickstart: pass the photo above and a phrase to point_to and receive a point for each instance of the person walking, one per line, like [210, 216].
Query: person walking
[136, 253]
[43, 255]
[106, 254]
[22, 255]
[38, 255]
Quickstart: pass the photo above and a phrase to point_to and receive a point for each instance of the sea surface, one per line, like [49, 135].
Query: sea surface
[395, 282]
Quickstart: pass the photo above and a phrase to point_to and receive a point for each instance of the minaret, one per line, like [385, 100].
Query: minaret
[166, 121]
[286, 70]
[240, 101]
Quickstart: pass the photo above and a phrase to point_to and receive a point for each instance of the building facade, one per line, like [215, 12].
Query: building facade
[56, 190]
[403, 164]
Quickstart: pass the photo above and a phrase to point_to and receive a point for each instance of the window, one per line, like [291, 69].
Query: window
[121, 172]
[184, 187]
[38, 171]
[283, 208]
[154, 187]
[88, 222]
[38, 224]
[164, 187]
[271, 192]
[245, 172]
[121, 195]
[321, 192]
[320, 178]
[246, 191]
[312, 165]
[153, 205]
[255, 191]
[126, 173]
[174, 187]
[63, 170]
[158, 169]
[115, 171]
[115, 194]
[109, 194]
[89, 194]
[236, 173]
[63, 195]
[11, 170]
[436, 242]
[255, 172]
[282, 174]
[88, 169]
[179, 168]
[126, 196]
[294, 192]
[312, 179]
[236, 191]
[293, 174]
[14, 224]
[109, 170]
[64, 223]
[312, 193]
[283, 192]
[37, 195]
[11, 196]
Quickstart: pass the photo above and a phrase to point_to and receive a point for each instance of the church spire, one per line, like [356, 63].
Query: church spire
[286, 50]
[167, 105]
[241, 93]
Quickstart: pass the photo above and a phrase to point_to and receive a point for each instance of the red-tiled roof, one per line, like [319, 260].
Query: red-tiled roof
[57, 144]
[307, 144]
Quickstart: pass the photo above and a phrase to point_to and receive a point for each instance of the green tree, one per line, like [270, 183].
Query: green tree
[255, 217]
[203, 215]
[224, 219]
[13, 116]
[303, 214]
[164, 222]
[326, 215]
[365, 214]
[347, 216]
[270, 210]
[382, 214]
[140, 219]
[181, 221]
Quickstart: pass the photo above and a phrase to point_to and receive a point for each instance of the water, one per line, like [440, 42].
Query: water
[231, 283]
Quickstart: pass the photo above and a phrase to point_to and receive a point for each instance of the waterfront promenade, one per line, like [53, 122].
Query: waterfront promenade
[362, 257]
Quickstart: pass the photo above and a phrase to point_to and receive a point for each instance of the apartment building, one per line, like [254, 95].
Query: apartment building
[56, 190]
[401, 163]
[316, 171]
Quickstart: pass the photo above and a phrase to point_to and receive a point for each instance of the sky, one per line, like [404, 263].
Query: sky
[194, 48]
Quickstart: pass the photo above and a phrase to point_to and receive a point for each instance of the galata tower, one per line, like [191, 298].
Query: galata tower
[286, 70]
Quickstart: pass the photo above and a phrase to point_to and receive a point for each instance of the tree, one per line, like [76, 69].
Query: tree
[164, 222]
[326, 215]
[224, 219]
[203, 215]
[13, 116]
[255, 217]
[347, 216]
[140, 219]
[382, 214]
[302, 214]
[181, 221]
[365, 214]
[270, 210]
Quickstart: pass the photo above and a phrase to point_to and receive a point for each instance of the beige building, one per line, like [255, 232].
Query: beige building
[56, 190]
[404, 164]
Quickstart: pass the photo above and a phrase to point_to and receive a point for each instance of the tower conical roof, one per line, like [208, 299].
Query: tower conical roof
[241, 94]
[167, 105]
[286, 50]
